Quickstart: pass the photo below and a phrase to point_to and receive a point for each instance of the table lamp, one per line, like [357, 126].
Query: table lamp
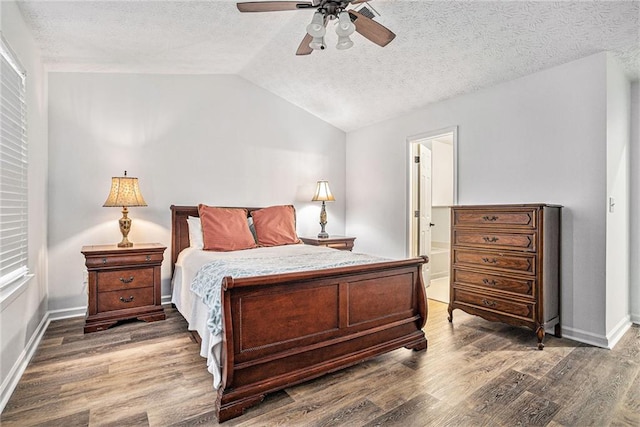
[323, 194]
[124, 193]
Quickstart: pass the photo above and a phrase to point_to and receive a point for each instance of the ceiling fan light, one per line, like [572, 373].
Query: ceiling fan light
[316, 27]
[344, 42]
[317, 43]
[345, 27]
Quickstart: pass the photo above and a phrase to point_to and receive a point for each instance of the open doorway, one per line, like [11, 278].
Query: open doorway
[433, 190]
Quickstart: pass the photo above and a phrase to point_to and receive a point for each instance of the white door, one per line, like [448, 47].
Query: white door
[425, 195]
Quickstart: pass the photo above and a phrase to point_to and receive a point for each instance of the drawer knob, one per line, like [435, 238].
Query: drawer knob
[490, 261]
[490, 239]
[126, 281]
[490, 218]
[148, 257]
[484, 301]
[489, 282]
[126, 299]
[104, 260]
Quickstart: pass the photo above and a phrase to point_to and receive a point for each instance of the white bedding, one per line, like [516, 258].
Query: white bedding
[194, 310]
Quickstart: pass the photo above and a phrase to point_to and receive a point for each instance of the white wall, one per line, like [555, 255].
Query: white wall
[540, 138]
[635, 204]
[218, 140]
[617, 240]
[22, 314]
[442, 173]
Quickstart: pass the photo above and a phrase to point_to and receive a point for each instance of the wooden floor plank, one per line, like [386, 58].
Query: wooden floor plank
[418, 411]
[474, 373]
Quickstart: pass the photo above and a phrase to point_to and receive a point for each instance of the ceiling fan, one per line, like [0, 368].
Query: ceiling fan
[326, 10]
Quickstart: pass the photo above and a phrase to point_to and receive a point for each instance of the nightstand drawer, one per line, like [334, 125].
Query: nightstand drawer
[342, 243]
[339, 245]
[118, 300]
[119, 260]
[125, 279]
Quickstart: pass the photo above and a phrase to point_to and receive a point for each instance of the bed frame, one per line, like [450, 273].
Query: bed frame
[325, 320]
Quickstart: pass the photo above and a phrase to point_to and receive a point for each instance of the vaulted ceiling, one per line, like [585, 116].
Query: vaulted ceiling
[442, 48]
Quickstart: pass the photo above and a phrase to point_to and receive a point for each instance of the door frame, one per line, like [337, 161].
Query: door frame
[411, 197]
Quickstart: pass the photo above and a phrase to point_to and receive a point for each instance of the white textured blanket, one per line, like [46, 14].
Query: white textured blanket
[208, 280]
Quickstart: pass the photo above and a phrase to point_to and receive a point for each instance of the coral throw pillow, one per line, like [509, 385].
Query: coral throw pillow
[225, 229]
[275, 225]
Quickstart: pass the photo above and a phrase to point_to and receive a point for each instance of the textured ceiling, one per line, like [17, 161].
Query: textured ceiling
[442, 48]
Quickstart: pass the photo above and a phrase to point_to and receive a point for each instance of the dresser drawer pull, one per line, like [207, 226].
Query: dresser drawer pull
[490, 218]
[485, 302]
[104, 260]
[490, 239]
[148, 258]
[489, 282]
[126, 281]
[126, 299]
[490, 261]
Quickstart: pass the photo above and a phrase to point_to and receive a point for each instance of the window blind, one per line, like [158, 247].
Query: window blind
[13, 170]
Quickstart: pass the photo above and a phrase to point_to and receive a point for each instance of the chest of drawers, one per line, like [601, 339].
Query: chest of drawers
[124, 283]
[505, 264]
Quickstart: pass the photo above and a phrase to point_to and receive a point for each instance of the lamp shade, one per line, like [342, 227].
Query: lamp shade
[323, 193]
[124, 192]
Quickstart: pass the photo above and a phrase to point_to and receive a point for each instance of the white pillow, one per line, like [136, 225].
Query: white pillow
[195, 232]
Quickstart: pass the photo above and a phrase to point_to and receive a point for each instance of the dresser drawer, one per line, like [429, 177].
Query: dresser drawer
[118, 300]
[502, 283]
[497, 240]
[488, 302]
[119, 260]
[125, 279]
[522, 218]
[518, 263]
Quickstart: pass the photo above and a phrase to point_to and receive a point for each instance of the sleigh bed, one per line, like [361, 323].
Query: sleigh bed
[284, 329]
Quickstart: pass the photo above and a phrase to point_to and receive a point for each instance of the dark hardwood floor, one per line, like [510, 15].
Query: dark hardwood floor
[474, 373]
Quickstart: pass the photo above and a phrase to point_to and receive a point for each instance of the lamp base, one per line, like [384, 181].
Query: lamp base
[125, 243]
[323, 222]
[125, 227]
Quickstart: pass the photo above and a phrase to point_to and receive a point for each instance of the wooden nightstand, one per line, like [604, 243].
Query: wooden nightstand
[337, 242]
[124, 283]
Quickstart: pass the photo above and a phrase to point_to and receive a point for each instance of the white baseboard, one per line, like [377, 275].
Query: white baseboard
[11, 381]
[635, 318]
[67, 313]
[604, 341]
[618, 331]
[584, 337]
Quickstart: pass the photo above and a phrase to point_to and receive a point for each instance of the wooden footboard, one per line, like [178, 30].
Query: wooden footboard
[285, 329]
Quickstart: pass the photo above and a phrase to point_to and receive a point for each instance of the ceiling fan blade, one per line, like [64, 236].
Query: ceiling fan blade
[304, 48]
[377, 33]
[272, 6]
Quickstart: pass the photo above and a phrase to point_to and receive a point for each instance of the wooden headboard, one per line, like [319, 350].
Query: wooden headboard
[180, 229]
